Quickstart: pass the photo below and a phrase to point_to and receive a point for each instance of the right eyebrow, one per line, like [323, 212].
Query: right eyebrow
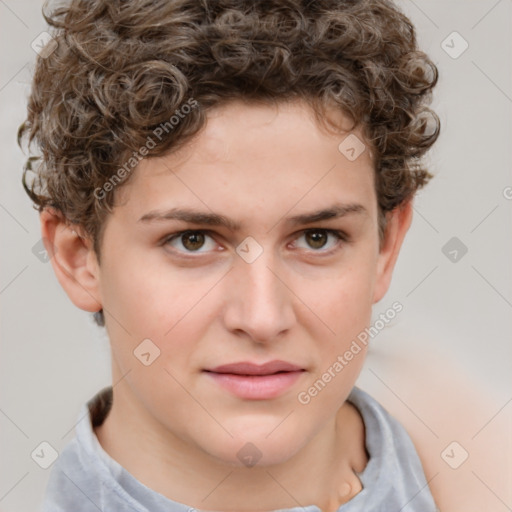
[192, 216]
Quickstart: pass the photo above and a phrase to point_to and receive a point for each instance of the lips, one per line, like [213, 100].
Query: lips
[251, 381]
[246, 368]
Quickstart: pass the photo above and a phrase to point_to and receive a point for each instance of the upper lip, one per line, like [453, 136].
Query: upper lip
[247, 368]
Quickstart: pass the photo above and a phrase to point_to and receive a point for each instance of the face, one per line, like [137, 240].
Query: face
[257, 242]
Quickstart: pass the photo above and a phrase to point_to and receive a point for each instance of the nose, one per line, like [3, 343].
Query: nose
[258, 304]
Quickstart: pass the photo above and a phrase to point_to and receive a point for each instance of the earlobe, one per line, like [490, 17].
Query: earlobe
[73, 260]
[398, 223]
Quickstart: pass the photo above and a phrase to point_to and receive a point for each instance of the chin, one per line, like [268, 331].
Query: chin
[256, 449]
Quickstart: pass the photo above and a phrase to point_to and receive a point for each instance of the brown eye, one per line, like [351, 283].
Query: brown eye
[192, 240]
[316, 239]
[320, 240]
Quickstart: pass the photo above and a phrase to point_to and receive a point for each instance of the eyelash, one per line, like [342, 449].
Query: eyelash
[340, 236]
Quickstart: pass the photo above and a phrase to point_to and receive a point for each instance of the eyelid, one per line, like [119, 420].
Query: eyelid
[176, 234]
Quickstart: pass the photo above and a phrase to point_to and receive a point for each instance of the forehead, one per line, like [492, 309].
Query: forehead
[257, 158]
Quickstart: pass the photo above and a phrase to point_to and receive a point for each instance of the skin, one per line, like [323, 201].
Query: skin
[172, 427]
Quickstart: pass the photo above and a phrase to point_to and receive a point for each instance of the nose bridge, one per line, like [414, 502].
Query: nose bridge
[263, 286]
[260, 304]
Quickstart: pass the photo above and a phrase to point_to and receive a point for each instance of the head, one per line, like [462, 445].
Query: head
[233, 181]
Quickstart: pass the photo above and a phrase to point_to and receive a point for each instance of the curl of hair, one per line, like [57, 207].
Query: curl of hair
[120, 69]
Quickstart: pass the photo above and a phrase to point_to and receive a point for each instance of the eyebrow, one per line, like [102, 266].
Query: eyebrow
[333, 212]
[214, 219]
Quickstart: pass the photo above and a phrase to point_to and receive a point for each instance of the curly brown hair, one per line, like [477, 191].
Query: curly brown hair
[121, 69]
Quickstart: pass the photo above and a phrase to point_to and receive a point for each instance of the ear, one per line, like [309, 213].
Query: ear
[398, 223]
[73, 259]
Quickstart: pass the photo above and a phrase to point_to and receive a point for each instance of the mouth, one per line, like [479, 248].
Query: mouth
[256, 382]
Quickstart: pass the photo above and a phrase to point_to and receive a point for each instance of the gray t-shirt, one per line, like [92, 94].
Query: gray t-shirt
[86, 479]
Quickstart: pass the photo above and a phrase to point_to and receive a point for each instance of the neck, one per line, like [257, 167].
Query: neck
[322, 473]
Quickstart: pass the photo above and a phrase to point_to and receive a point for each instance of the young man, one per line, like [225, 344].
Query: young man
[227, 185]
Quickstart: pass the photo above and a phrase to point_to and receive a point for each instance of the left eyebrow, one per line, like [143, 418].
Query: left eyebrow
[333, 212]
[214, 219]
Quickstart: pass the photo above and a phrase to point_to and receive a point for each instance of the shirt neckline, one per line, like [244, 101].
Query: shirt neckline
[133, 491]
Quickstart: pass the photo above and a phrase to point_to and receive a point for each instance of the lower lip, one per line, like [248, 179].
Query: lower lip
[256, 387]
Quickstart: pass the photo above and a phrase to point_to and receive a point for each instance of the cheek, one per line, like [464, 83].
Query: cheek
[155, 322]
[345, 306]
[168, 306]
[343, 301]
[150, 298]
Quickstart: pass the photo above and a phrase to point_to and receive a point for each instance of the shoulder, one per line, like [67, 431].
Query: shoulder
[80, 480]
[384, 434]
[393, 478]
[73, 481]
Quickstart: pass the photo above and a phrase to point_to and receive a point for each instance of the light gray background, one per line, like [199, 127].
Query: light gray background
[447, 351]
